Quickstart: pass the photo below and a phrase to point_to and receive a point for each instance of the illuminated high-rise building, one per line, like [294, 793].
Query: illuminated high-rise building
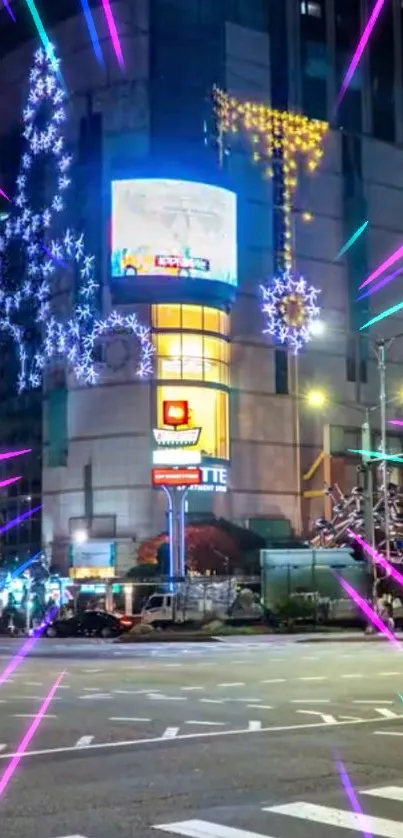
[146, 138]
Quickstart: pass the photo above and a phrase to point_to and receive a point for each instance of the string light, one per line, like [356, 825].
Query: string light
[71, 339]
[290, 306]
[278, 138]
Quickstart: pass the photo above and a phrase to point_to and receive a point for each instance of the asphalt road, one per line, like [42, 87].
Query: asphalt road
[206, 741]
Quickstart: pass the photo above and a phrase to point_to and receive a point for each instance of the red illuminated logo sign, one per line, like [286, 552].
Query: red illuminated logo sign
[175, 413]
[176, 476]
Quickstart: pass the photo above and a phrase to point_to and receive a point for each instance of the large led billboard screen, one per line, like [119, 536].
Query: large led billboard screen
[173, 229]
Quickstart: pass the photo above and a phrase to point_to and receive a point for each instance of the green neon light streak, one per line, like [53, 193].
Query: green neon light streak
[394, 458]
[382, 316]
[352, 240]
[44, 37]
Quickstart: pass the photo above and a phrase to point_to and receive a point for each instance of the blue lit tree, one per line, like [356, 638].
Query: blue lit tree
[48, 291]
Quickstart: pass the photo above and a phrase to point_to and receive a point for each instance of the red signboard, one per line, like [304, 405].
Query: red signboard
[176, 476]
[175, 413]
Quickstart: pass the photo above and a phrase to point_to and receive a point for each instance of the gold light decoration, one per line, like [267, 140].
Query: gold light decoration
[278, 138]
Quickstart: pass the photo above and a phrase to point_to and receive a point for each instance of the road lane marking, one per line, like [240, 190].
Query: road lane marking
[313, 678]
[254, 725]
[310, 701]
[338, 817]
[133, 692]
[352, 675]
[274, 681]
[386, 674]
[386, 713]
[84, 740]
[215, 724]
[170, 733]
[211, 700]
[326, 718]
[386, 792]
[91, 689]
[387, 733]
[32, 684]
[154, 740]
[191, 689]
[159, 697]
[232, 684]
[206, 829]
[371, 701]
[128, 719]
[261, 706]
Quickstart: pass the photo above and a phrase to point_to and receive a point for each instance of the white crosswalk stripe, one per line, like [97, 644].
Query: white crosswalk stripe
[342, 820]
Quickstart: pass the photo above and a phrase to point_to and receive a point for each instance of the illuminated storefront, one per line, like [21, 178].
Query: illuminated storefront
[193, 365]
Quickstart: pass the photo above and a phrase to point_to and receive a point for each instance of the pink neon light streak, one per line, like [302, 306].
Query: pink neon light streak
[377, 557]
[9, 454]
[354, 802]
[397, 422]
[5, 196]
[10, 481]
[369, 612]
[14, 762]
[113, 33]
[25, 648]
[360, 49]
[384, 266]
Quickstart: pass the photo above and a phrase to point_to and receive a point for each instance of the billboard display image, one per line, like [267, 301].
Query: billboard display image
[173, 228]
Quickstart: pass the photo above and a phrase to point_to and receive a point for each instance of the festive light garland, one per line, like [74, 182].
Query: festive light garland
[290, 305]
[73, 339]
[278, 137]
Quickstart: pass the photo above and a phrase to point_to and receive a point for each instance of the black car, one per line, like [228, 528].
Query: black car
[89, 624]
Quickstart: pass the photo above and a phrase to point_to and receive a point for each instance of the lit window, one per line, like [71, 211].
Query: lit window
[192, 318]
[312, 9]
[193, 357]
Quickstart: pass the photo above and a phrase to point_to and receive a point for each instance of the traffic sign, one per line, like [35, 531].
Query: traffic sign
[176, 476]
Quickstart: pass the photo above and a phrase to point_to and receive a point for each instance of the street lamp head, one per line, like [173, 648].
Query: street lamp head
[316, 398]
[317, 328]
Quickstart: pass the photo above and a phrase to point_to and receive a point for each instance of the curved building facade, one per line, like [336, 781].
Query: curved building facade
[153, 122]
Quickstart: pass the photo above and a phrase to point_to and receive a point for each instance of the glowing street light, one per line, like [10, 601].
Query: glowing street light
[80, 536]
[317, 328]
[316, 398]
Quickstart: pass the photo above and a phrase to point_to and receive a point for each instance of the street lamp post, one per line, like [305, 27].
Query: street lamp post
[382, 404]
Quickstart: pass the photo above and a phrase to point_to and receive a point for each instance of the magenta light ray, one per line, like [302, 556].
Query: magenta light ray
[14, 762]
[369, 612]
[354, 803]
[380, 284]
[397, 422]
[9, 454]
[9, 481]
[360, 49]
[377, 557]
[26, 647]
[4, 195]
[383, 267]
[19, 520]
[113, 32]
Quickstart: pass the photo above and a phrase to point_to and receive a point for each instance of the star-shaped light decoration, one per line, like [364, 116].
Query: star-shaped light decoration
[291, 310]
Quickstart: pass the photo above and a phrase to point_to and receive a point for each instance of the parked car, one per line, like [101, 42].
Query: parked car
[89, 624]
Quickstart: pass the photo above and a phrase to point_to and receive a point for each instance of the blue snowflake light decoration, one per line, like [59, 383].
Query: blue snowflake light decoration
[290, 306]
[28, 312]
